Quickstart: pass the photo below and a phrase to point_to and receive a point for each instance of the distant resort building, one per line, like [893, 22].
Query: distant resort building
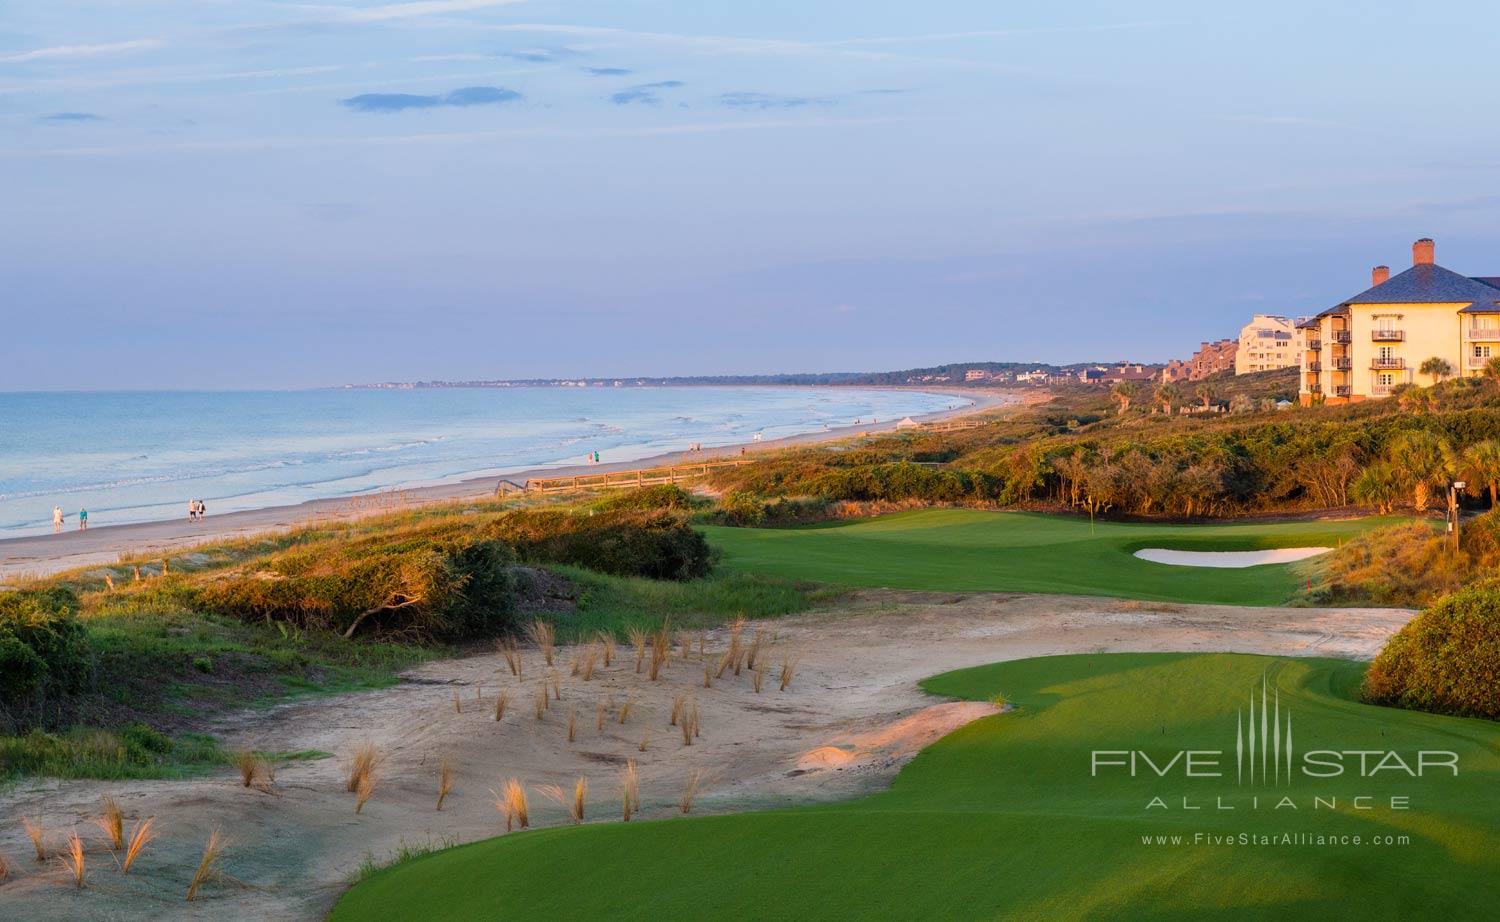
[1381, 338]
[1210, 359]
[1266, 343]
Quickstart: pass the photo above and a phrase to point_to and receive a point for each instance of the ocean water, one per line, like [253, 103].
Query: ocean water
[136, 456]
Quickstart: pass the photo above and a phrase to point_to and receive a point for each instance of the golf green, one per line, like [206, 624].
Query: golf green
[973, 550]
[1010, 818]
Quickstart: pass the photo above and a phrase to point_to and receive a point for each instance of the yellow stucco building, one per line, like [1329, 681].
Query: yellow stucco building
[1367, 345]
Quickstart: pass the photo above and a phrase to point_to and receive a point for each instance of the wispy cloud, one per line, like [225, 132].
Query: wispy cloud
[720, 44]
[418, 8]
[81, 51]
[71, 117]
[646, 94]
[539, 55]
[400, 102]
[301, 142]
[770, 101]
[608, 71]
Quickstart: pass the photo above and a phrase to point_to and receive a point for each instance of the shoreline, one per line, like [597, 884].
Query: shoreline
[29, 556]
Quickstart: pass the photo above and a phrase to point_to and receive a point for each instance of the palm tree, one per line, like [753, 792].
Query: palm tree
[1377, 485]
[1422, 462]
[1410, 397]
[1437, 368]
[1480, 464]
[1207, 393]
[1168, 395]
[1125, 392]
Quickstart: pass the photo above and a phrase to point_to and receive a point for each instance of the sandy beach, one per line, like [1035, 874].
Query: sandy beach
[42, 555]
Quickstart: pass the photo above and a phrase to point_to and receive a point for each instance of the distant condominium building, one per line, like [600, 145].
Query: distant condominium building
[1266, 343]
[1210, 359]
[1380, 338]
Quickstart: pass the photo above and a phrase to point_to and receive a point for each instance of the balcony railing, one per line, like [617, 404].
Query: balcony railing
[1342, 390]
[1381, 390]
[1479, 361]
[1314, 367]
[1489, 334]
[1342, 364]
[1315, 388]
[1379, 362]
[1387, 336]
[1342, 337]
[1313, 345]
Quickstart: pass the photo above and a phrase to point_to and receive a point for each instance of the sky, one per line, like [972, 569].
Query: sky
[253, 193]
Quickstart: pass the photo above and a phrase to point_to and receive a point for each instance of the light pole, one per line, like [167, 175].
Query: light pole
[1453, 489]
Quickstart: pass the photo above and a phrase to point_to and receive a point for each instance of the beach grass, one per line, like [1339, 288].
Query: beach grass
[975, 550]
[1004, 818]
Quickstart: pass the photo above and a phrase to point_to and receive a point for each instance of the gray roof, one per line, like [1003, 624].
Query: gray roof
[1429, 283]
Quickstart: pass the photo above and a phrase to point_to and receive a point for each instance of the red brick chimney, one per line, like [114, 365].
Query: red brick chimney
[1379, 275]
[1421, 252]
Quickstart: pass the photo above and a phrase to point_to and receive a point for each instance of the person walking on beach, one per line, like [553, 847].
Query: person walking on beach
[83, 520]
[57, 519]
[192, 509]
[202, 509]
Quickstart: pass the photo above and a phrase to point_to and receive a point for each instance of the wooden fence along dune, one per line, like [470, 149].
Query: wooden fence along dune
[621, 480]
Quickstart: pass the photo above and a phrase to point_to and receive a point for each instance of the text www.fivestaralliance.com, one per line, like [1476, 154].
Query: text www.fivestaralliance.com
[1268, 839]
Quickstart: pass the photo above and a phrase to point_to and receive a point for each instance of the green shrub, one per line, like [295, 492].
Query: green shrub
[623, 542]
[432, 583]
[1446, 659]
[664, 496]
[44, 650]
[740, 508]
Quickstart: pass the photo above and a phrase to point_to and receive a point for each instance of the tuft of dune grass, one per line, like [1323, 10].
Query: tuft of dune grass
[637, 638]
[542, 634]
[34, 833]
[111, 822]
[630, 790]
[445, 782]
[512, 654]
[213, 850]
[789, 669]
[145, 831]
[511, 803]
[573, 800]
[73, 860]
[366, 758]
[690, 791]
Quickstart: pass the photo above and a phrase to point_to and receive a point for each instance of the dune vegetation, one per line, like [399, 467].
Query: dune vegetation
[111, 671]
[1003, 819]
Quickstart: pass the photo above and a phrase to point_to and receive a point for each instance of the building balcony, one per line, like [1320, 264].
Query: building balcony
[1342, 390]
[1314, 388]
[1387, 364]
[1387, 336]
[1344, 364]
[1381, 390]
[1341, 337]
[1314, 367]
[1313, 345]
[1485, 334]
[1479, 361]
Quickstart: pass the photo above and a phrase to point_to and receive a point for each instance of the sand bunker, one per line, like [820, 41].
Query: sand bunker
[1229, 559]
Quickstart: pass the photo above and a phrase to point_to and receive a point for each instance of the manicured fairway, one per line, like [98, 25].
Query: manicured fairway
[1003, 820]
[972, 550]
